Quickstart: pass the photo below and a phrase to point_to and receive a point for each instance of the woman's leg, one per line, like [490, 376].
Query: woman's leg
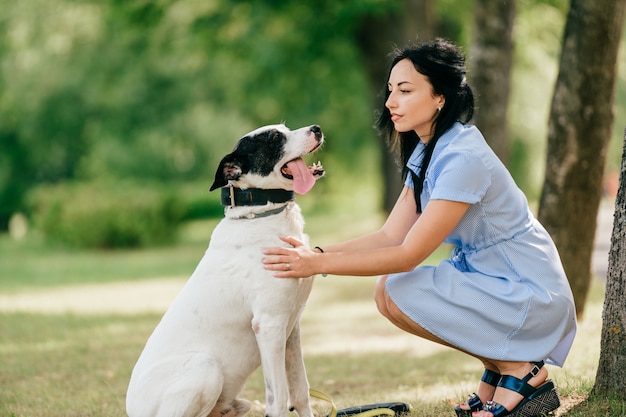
[507, 398]
[389, 310]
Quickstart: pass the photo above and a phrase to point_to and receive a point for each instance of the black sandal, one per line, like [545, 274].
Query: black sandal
[540, 401]
[473, 401]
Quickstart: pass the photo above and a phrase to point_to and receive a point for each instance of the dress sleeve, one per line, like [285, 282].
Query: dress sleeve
[458, 176]
[414, 163]
[409, 181]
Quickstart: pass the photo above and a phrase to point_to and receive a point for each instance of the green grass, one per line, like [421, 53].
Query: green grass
[33, 263]
[65, 365]
[79, 364]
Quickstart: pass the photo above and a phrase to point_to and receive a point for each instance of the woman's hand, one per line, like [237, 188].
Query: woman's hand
[295, 262]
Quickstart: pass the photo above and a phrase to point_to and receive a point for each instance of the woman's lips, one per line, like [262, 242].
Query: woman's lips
[395, 117]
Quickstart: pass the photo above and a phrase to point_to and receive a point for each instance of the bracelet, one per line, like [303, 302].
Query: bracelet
[321, 251]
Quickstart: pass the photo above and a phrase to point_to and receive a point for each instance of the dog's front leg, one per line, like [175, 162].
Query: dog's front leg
[296, 375]
[271, 340]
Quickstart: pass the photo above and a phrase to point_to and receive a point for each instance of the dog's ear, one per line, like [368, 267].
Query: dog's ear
[230, 168]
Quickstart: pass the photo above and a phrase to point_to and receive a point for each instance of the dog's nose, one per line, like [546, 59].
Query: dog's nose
[317, 131]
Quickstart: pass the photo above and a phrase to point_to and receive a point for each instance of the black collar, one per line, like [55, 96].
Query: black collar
[232, 196]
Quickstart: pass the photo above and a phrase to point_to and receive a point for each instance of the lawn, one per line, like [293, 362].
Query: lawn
[75, 361]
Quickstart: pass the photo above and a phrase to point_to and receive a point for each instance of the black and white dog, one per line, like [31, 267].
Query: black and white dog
[233, 315]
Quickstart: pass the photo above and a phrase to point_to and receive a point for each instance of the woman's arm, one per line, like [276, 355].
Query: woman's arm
[393, 231]
[394, 252]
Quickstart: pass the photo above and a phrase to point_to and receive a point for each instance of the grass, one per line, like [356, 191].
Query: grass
[79, 364]
[34, 264]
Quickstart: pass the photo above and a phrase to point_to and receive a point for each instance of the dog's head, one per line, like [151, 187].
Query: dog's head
[271, 157]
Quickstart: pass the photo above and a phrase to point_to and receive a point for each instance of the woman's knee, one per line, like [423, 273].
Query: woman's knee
[385, 305]
[380, 296]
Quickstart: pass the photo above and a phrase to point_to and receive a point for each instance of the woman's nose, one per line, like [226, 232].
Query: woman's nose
[390, 102]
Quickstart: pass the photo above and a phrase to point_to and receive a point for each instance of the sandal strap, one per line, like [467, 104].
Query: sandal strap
[542, 401]
[491, 377]
[521, 386]
[473, 402]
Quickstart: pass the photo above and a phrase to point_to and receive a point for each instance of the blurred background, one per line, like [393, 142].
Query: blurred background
[120, 110]
[114, 115]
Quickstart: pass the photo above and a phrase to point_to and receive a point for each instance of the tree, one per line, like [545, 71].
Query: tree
[612, 366]
[412, 21]
[579, 131]
[490, 76]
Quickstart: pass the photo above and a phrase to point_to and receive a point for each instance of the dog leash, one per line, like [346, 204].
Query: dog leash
[368, 410]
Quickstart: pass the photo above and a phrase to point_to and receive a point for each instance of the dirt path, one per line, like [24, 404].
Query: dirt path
[154, 296]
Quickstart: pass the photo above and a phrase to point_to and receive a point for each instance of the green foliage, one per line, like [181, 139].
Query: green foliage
[534, 73]
[160, 90]
[96, 216]
[454, 20]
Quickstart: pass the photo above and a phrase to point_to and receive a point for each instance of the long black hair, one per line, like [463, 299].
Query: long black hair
[443, 63]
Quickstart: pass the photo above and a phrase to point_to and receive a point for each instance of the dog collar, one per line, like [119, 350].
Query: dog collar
[232, 196]
[267, 213]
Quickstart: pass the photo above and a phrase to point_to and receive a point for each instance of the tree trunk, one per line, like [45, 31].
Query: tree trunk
[413, 21]
[612, 366]
[490, 75]
[579, 131]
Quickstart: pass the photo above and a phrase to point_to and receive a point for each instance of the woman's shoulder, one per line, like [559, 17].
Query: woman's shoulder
[465, 145]
[463, 138]
[464, 134]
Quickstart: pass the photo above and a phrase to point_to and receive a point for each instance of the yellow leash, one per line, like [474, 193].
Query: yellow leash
[333, 412]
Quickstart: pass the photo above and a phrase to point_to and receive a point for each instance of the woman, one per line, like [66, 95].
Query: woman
[502, 297]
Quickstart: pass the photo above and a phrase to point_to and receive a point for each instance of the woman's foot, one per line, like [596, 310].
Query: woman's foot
[486, 389]
[533, 374]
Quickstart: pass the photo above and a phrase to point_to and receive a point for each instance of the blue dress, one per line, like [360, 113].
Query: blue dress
[503, 293]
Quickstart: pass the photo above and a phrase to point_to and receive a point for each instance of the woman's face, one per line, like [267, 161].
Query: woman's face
[411, 102]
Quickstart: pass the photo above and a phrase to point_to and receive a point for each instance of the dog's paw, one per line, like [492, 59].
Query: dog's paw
[240, 407]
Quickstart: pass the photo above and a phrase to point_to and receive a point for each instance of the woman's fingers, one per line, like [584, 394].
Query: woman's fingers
[291, 240]
[275, 260]
[285, 262]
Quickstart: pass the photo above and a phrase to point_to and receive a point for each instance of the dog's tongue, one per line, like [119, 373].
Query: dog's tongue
[303, 180]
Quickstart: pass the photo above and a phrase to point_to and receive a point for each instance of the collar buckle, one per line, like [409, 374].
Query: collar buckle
[231, 191]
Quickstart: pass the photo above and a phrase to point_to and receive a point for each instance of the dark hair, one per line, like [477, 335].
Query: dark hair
[443, 64]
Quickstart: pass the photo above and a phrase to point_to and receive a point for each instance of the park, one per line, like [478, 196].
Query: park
[113, 118]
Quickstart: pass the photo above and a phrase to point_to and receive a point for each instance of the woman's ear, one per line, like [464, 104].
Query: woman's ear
[441, 101]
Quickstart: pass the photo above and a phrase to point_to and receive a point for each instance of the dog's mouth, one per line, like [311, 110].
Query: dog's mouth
[303, 177]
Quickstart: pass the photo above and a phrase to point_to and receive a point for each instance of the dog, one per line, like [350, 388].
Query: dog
[232, 315]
